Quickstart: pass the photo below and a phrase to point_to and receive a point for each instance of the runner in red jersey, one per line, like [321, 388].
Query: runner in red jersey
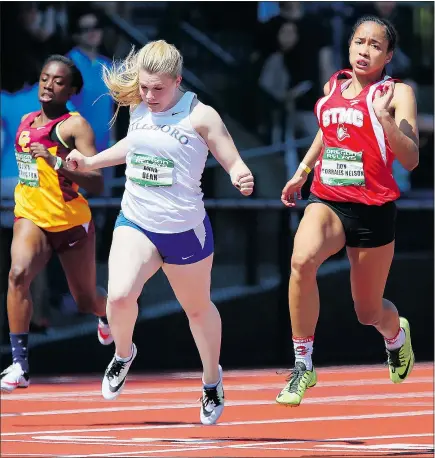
[366, 121]
[356, 160]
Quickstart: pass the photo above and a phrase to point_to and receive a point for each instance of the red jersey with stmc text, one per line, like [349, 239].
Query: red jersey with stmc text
[355, 164]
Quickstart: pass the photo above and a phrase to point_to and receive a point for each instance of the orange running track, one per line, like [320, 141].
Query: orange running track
[353, 411]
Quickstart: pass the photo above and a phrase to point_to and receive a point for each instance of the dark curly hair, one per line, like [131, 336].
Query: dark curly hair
[76, 76]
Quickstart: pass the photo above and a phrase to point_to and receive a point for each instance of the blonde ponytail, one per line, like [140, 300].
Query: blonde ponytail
[122, 78]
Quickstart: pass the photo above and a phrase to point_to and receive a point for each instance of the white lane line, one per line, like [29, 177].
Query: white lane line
[231, 423]
[332, 448]
[29, 396]
[173, 442]
[174, 405]
[262, 445]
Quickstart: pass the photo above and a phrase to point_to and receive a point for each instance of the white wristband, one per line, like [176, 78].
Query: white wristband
[58, 164]
[304, 167]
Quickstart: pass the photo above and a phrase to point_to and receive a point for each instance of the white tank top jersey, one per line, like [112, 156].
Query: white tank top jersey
[165, 163]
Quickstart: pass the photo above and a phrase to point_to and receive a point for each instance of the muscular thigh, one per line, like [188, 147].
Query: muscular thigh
[320, 235]
[76, 251]
[191, 282]
[133, 260]
[30, 250]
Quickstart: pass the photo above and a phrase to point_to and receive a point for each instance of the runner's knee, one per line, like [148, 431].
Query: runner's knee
[120, 298]
[368, 313]
[19, 276]
[195, 306]
[196, 313]
[304, 264]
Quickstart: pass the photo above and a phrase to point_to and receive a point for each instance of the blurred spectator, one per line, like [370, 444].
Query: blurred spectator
[25, 48]
[32, 31]
[303, 65]
[113, 42]
[275, 80]
[307, 22]
[54, 24]
[93, 103]
[275, 76]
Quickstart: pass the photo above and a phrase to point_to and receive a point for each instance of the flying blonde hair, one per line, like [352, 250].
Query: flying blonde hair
[122, 78]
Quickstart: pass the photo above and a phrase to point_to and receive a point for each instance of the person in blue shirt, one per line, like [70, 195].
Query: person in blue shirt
[93, 103]
[14, 106]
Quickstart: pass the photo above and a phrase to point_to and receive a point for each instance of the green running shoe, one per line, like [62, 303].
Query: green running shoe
[299, 380]
[401, 361]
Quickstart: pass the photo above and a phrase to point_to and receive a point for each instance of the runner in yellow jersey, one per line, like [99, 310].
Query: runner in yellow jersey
[50, 213]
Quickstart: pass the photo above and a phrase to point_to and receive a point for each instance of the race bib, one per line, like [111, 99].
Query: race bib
[342, 167]
[147, 170]
[27, 169]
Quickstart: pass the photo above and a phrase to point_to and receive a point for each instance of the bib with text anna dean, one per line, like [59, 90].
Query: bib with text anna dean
[147, 170]
[342, 167]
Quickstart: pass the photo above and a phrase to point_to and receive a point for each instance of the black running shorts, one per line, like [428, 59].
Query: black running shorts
[365, 226]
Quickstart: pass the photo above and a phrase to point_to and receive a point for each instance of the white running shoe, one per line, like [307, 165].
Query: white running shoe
[104, 335]
[14, 377]
[115, 376]
[212, 402]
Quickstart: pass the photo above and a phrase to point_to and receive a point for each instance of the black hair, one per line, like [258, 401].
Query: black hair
[76, 76]
[390, 31]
